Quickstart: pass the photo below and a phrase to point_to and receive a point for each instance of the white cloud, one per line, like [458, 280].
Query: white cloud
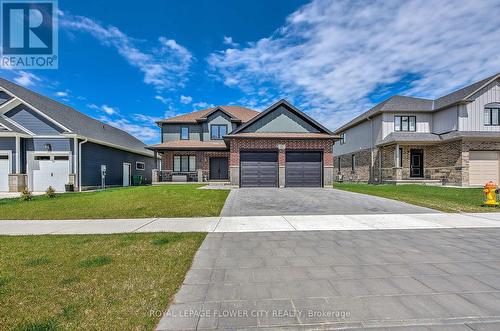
[146, 118]
[185, 99]
[202, 104]
[146, 132]
[62, 94]
[26, 79]
[161, 99]
[332, 55]
[104, 108]
[229, 41]
[164, 66]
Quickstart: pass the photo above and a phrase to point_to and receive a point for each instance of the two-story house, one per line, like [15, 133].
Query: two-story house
[278, 147]
[453, 140]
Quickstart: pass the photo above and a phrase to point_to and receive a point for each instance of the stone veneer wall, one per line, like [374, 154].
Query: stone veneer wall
[324, 145]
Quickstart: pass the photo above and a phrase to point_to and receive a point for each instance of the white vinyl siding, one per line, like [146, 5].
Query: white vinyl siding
[445, 120]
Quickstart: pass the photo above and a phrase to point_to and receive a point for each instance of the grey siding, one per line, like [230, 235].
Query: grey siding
[57, 144]
[33, 121]
[172, 132]
[9, 144]
[445, 120]
[281, 120]
[217, 118]
[471, 116]
[358, 137]
[94, 155]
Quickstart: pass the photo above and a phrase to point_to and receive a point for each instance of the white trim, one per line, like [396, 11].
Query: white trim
[3, 126]
[80, 164]
[5, 107]
[18, 155]
[36, 110]
[100, 142]
[482, 86]
[18, 125]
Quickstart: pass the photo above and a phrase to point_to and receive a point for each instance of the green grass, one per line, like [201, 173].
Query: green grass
[91, 282]
[447, 199]
[131, 202]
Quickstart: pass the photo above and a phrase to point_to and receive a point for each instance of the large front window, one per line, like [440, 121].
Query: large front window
[492, 116]
[217, 131]
[405, 123]
[184, 163]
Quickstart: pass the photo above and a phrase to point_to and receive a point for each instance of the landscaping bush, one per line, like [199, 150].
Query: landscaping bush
[50, 192]
[26, 194]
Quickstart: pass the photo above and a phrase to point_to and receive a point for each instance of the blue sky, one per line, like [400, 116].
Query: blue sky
[130, 63]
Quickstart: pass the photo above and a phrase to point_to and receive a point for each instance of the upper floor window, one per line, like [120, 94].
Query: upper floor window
[342, 138]
[405, 123]
[217, 131]
[492, 116]
[185, 133]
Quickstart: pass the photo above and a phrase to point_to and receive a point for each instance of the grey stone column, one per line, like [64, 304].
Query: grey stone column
[234, 175]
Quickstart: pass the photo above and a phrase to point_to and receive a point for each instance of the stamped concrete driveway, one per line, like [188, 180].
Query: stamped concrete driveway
[444, 279]
[310, 201]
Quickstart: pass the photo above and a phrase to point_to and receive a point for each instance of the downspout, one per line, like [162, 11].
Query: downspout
[80, 163]
[371, 149]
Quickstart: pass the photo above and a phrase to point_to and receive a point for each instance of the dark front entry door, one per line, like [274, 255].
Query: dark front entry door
[218, 168]
[416, 163]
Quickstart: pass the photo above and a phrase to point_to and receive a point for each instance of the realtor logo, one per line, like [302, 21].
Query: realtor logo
[29, 34]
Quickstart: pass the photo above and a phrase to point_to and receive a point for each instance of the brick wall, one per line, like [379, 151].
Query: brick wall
[361, 172]
[272, 144]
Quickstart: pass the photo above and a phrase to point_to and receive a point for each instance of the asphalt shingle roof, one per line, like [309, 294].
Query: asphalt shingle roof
[241, 113]
[74, 120]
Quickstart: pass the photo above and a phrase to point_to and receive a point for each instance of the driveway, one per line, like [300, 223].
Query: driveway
[439, 279]
[310, 201]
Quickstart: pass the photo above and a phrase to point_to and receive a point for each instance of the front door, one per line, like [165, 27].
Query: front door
[416, 163]
[126, 174]
[218, 168]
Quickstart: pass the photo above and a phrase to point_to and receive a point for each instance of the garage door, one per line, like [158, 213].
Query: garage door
[49, 170]
[4, 173]
[259, 169]
[483, 167]
[303, 169]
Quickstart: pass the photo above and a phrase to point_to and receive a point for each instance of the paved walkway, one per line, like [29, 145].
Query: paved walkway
[425, 279]
[311, 201]
[254, 223]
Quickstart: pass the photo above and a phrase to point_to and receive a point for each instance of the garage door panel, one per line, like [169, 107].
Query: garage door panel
[49, 170]
[483, 167]
[4, 173]
[259, 169]
[303, 169]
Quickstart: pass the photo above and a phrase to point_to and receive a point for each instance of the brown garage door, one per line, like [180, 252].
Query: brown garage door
[303, 169]
[259, 169]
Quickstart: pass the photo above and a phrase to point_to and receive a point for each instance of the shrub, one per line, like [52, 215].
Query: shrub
[50, 192]
[26, 194]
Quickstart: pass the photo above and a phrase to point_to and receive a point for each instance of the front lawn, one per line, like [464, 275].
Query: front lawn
[447, 199]
[131, 202]
[91, 282]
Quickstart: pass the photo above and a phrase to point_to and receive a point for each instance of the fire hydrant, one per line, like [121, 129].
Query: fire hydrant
[490, 192]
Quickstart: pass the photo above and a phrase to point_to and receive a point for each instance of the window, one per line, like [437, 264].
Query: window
[61, 158]
[140, 166]
[405, 123]
[184, 163]
[4, 157]
[42, 158]
[338, 163]
[353, 162]
[342, 138]
[217, 131]
[184, 133]
[492, 116]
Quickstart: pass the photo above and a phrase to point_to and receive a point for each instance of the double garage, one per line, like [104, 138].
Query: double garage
[261, 169]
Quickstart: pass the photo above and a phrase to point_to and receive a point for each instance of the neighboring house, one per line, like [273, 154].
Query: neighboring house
[45, 143]
[278, 147]
[452, 140]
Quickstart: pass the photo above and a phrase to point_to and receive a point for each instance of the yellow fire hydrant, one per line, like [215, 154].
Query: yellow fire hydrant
[490, 192]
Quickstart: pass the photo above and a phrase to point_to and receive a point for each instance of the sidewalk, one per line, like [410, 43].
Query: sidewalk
[254, 223]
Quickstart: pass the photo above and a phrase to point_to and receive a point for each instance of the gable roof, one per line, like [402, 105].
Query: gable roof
[236, 113]
[76, 121]
[399, 103]
[275, 106]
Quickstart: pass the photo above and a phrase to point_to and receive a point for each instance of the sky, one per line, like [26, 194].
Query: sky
[130, 64]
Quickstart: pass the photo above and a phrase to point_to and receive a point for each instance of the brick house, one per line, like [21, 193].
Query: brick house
[452, 140]
[278, 147]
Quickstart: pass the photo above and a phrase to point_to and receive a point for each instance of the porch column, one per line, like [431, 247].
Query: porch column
[398, 171]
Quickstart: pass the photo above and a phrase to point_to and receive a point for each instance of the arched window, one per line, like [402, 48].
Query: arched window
[492, 114]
